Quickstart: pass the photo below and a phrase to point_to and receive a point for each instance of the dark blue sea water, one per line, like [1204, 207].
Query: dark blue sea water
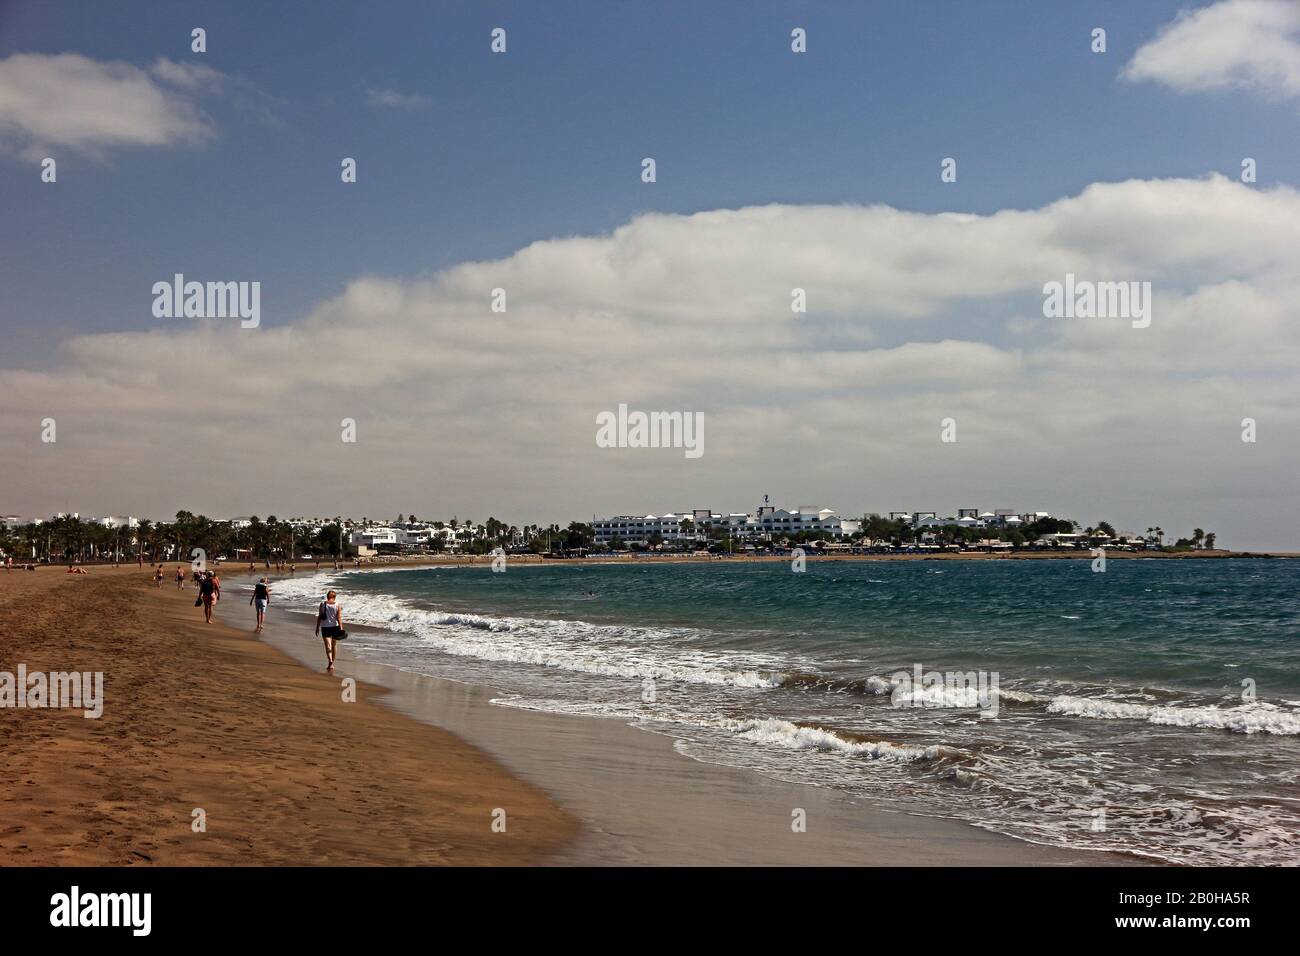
[1152, 709]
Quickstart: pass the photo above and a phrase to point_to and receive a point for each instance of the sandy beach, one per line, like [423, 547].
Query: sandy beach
[256, 735]
[206, 717]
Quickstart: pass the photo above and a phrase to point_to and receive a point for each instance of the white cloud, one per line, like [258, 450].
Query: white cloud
[190, 76]
[395, 99]
[1250, 44]
[469, 411]
[68, 100]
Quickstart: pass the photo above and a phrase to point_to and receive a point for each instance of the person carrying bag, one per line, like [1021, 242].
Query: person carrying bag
[329, 627]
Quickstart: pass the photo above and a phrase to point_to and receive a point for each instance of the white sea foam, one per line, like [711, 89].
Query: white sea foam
[937, 695]
[1252, 718]
[773, 732]
[765, 731]
[604, 650]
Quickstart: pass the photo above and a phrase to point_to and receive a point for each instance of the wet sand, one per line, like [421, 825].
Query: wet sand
[640, 801]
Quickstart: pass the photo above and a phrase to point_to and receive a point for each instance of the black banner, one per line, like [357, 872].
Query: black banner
[376, 905]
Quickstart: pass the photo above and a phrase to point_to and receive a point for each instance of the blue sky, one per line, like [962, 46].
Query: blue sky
[522, 171]
[546, 140]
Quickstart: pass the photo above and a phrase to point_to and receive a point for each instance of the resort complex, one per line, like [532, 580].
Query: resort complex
[702, 524]
[67, 536]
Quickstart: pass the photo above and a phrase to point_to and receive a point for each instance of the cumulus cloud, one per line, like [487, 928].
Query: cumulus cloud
[471, 411]
[1250, 44]
[395, 99]
[68, 100]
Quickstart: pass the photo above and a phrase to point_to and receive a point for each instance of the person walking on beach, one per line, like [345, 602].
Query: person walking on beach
[329, 627]
[180, 579]
[262, 597]
[157, 577]
[208, 590]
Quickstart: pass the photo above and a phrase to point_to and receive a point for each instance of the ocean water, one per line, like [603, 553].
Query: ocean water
[1153, 709]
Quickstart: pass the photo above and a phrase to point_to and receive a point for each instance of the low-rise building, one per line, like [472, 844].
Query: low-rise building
[767, 523]
[114, 521]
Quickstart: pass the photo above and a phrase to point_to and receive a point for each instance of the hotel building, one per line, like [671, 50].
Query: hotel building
[764, 524]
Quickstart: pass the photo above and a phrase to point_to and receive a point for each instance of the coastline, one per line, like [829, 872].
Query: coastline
[204, 718]
[642, 802]
[252, 732]
[526, 560]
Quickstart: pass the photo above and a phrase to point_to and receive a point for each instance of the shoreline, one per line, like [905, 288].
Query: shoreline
[642, 802]
[514, 560]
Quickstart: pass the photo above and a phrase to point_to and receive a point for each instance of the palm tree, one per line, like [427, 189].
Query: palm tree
[142, 531]
[1198, 536]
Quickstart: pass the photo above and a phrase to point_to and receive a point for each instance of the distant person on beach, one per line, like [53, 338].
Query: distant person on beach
[261, 597]
[329, 627]
[180, 578]
[208, 590]
[158, 576]
[74, 570]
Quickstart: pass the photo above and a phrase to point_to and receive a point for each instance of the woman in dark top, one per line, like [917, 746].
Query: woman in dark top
[261, 597]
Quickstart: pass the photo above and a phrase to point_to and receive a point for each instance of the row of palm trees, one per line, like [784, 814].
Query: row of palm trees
[68, 538]
[1200, 539]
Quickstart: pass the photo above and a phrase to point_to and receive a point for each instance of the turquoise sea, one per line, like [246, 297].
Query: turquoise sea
[1153, 709]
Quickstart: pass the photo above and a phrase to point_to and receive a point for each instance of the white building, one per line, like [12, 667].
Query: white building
[767, 523]
[1007, 518]
[113, 521]
[373, 537]
[412, 537]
